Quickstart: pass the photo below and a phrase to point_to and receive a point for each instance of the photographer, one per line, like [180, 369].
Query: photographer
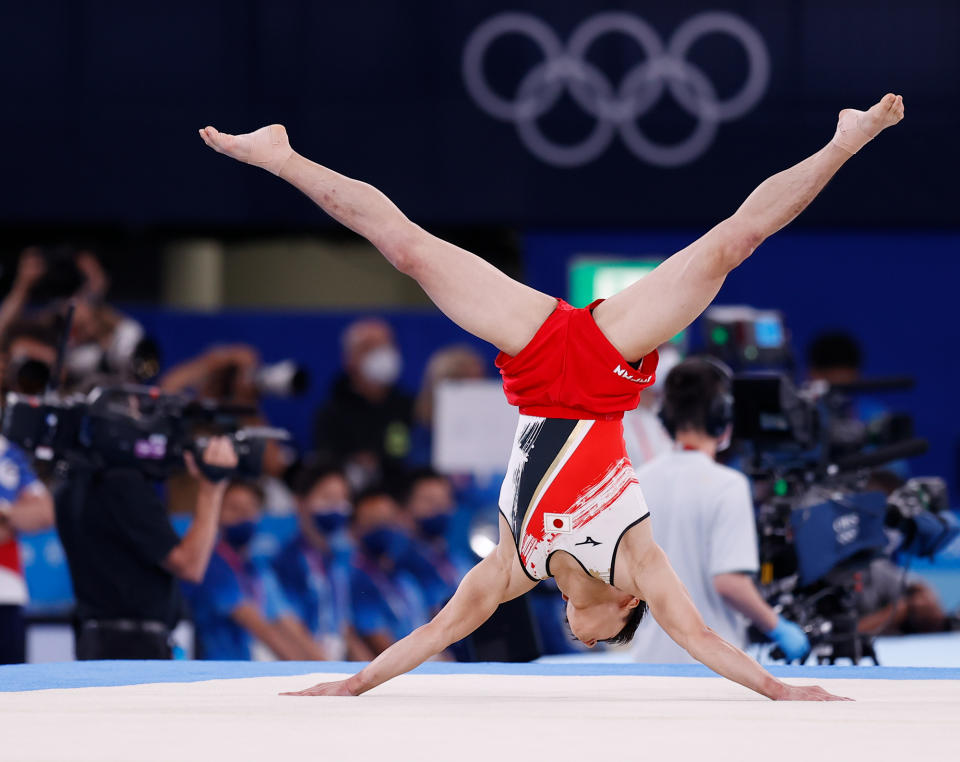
[125, 557]
[704, 518]
[234, 374]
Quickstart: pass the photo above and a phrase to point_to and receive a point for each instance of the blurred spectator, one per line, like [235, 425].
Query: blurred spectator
[889, 599]
[385, 598]
[28, 352]
[430, 504]
[30, 271]
[365, 423]
[313, 569]
[454, 363]
[222, 373]
[104, 343]
[238, 601]
[835, 357]
[25, 506]
[106, 346]
[857, 420]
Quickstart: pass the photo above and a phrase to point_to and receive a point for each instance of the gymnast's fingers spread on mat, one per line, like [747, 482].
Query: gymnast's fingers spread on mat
[810, 693]
[338, 688]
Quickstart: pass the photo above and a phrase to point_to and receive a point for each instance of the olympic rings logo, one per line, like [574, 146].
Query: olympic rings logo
[616, 109]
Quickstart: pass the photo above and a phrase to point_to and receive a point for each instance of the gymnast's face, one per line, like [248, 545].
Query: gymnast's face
[599, 621]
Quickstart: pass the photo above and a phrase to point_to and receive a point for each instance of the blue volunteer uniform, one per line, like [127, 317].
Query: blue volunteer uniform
[230, 580]
[384, 603]
[316, 586]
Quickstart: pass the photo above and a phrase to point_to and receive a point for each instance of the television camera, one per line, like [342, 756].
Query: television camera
[821, 515]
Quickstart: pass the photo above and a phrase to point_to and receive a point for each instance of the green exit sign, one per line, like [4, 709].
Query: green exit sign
[594, 278]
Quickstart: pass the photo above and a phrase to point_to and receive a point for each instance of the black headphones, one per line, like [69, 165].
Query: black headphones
[720, 409]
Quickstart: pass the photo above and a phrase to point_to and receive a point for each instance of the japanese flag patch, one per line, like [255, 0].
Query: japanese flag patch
[557, 522]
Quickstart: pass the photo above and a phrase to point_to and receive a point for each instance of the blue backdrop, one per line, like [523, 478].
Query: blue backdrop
[103, 99]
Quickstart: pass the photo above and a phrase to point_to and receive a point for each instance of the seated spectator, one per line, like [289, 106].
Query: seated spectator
[314, 568]
[365, 424]
[238, 602]
[892, 601]
[385, 598]
[25, 506]
[431, 506]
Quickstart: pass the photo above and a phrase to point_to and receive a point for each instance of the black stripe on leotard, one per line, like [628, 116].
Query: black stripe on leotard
[541, 443]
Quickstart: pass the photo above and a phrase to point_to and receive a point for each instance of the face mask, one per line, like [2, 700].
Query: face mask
[328, 523]
[238, 536]
[434, 526]
[386, 541]
[381, 365]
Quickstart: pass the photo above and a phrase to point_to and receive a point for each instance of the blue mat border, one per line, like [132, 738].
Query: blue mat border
[90, 674]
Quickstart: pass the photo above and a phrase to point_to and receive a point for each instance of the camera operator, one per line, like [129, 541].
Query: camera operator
[125, 557]
[704, 518]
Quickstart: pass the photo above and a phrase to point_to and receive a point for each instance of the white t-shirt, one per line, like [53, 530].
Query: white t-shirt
[702, 516]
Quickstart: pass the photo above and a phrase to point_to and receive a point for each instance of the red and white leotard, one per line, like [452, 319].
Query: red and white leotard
[570, 485]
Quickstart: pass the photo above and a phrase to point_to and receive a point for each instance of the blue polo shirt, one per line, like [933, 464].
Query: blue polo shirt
[382, 602]
[230, 581]
[316, 586]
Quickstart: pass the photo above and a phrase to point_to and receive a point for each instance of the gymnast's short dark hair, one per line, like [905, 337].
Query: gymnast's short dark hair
[630, 626]
[629, 629]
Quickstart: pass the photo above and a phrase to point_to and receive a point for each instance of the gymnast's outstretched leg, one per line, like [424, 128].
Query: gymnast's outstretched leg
[470, 291]
[667, 300]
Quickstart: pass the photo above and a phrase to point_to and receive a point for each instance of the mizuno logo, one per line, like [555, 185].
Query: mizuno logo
[588, 541]
[644, 379]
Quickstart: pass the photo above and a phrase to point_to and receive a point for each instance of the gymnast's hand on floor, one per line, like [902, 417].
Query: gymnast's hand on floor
[338, 688]
[808, 693]
[267, 147]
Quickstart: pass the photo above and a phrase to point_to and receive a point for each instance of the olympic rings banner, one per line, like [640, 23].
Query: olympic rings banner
[529, 113]
[660, 67]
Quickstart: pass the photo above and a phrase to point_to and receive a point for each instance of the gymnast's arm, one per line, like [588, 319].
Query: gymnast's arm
[491, 582]
[658, 584]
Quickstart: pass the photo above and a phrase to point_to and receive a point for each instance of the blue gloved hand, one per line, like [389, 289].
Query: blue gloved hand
[791, 638]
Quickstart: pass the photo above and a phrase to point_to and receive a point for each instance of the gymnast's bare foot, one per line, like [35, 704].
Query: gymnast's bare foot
[856, 128]
[268, 147]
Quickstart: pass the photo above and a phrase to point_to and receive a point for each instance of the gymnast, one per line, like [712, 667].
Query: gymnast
[570, 504]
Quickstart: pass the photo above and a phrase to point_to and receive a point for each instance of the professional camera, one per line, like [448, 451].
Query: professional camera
[820, 522]
[132, 426]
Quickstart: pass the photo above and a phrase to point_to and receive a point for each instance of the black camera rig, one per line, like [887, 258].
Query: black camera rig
[131, 426]
[821, 520]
